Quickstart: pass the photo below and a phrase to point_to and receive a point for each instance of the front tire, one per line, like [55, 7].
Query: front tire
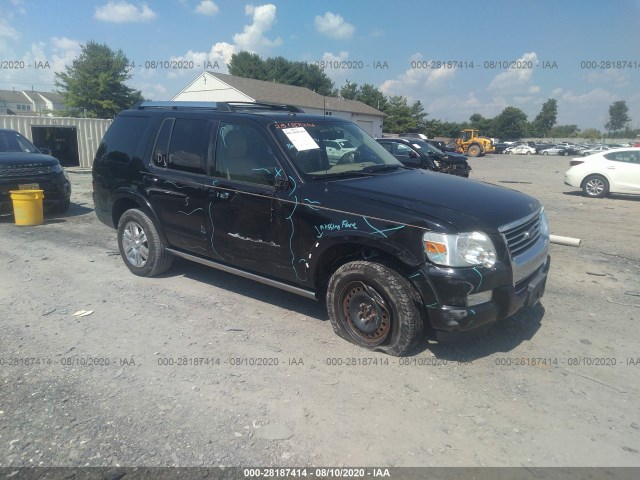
[595, 186]
[140, 245]
[474, 151]
[374, 307]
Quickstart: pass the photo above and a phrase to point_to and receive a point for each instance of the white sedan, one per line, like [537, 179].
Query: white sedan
[522, 150]
[613, 171]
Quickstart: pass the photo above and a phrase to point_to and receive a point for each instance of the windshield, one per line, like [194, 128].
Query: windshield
[311, 147]
[14, 142]
[425, 146]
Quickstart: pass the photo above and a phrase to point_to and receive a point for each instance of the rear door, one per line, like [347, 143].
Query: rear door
[623, 169]
[176, 178]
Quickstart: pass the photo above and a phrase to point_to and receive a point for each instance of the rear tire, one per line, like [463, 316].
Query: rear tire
[374, 307]
[595, 186]
[140, 245]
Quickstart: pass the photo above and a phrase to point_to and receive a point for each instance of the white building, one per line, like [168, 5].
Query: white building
[29, 102]
[219, 87]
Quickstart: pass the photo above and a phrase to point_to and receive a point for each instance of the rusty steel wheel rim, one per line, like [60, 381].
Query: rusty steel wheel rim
[365, 313]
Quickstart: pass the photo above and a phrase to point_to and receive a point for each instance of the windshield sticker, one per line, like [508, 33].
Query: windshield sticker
[300, 138]
[294, 124]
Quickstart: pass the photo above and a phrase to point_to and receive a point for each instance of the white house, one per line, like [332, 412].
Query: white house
[219, 87]
[29, 102]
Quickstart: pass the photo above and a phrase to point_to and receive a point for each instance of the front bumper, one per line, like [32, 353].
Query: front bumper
[444, 292]
[56, 189]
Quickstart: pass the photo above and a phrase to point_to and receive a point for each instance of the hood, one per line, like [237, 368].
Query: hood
[455, 158]
[464, 204]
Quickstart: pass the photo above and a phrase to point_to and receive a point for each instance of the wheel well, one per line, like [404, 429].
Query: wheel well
[584, 180]
[336, 256]
[122, 205]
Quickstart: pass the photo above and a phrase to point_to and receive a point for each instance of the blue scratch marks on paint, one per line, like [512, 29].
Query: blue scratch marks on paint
[472, 311]
[290, 218]
[414, 275]
[278, 171]
[202, 230]
[320, 234]
[186, 202]
[295, 185]
[475, 269]
[193, 211]
[310, 206]
[212, 232]
[213, 182]
[263, 169]
[177, 186]
[433, 305]
[381, 232]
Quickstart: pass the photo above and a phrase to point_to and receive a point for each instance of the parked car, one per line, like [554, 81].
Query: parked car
[522, 150]
[612, 171]
[418, 153]
[598, 149]
[249, 189]
[560, 150]
[501, 147]
[542, 146]
[337, 149]
[23, 166]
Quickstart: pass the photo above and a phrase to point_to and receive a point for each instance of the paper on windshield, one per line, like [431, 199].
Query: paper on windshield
[300, 138]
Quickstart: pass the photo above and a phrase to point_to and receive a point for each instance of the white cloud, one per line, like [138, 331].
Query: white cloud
[338, 75]
[252, 38]
[417, 81]
[123, 12]
[334, 26]
[8, 34]
[207, 7]
[64, 51]
[516, 81]
[19, 6]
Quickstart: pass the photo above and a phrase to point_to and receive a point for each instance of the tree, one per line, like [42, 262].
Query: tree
[546, 119]
[95, 82]
[510, 124]
[485, 125]
[591, 133]
[564, 131]
[372, 96]
[618, 116]
[349, 90]
[403, 118]
[281, 70]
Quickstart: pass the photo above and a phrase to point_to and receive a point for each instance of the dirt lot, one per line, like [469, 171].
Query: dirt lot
[165, 371]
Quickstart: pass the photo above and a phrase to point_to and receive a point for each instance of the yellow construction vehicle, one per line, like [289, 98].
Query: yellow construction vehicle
[472, 144]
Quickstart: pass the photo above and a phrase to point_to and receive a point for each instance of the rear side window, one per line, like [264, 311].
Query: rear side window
[184, 144]
[120, 142]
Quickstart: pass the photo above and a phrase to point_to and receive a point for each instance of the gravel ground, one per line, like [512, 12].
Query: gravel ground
[201, 368]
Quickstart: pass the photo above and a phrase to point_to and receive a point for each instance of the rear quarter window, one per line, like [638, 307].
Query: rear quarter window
[121, 140]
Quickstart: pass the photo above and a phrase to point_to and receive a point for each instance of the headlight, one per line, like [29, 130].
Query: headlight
[57, 168]
[462, 250]
[544, 225]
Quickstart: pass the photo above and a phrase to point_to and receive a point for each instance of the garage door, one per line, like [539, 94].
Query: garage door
[366, 125]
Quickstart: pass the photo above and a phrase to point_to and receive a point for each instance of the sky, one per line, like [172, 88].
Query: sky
[457, 57]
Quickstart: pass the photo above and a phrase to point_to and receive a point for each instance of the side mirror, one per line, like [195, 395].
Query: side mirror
[413, 154]
[45, 150]
[280, 184]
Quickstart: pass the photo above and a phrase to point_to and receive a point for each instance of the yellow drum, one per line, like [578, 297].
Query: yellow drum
[27, 206]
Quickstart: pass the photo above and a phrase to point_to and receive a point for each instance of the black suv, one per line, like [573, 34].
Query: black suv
[249, 189]
[419, 153]
[23, 166]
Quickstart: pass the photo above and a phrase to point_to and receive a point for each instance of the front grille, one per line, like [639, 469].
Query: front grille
[522, 234]
[24, 170]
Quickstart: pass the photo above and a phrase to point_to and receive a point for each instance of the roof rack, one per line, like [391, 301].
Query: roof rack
[220, 106]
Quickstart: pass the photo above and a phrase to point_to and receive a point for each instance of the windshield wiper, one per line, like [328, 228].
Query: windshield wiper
[382, 168]
[358, 173]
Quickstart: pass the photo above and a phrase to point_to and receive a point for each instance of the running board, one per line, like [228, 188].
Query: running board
[241, 273]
